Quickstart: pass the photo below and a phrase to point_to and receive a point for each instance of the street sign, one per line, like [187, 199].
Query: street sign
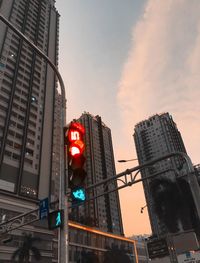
[189, 257]
[157, 248]
[44, 208]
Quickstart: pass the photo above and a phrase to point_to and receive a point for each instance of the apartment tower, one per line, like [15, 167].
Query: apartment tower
[27, 106]
[103, 212]
[154, 138]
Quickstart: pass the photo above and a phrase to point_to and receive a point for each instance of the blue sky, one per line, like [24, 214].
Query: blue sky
[125, 61]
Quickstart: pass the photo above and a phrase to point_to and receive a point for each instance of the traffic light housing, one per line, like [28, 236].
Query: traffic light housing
[75, 149]
[56, 219]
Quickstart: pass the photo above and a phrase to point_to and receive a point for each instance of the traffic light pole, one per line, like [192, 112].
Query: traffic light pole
[63, 242]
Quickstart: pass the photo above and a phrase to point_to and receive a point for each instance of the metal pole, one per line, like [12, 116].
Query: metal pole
[125, 161]
[64, 244]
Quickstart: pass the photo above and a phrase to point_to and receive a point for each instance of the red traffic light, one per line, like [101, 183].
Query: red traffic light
[78, 127]
[76, 148]
[74, 135]
[74, 140]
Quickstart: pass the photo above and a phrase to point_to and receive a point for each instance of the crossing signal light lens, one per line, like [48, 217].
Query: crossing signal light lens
[76, 148]
[78, 195]
[74, 135]
[55, 219]
[75, 151]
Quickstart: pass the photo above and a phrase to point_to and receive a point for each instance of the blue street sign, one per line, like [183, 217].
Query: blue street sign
[188, 254]
[44, 208]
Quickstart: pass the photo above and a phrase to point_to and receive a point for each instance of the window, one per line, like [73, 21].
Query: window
[16, 156]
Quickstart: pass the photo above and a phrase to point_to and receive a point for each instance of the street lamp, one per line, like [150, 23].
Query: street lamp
[142, 208]
[63, 257]
[124, 161]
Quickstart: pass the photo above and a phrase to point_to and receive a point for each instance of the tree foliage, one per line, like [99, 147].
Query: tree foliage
[23, 252]
[174, 204]
[88, 257]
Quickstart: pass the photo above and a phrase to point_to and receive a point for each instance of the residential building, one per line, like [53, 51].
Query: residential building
[27, 108]
[197, 171]
[154, 138]
[103, 212]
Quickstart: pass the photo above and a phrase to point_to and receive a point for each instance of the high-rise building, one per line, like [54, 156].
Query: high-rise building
[103, 212]
[154, 138]
[197, 172]
[27, 107]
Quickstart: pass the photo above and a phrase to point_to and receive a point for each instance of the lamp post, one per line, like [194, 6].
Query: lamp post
[142, 208]
[63, 255]
[124, 161]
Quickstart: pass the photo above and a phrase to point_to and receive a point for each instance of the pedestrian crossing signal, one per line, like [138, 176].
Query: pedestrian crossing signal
[74, 137]
[78, 195]
[56, 219]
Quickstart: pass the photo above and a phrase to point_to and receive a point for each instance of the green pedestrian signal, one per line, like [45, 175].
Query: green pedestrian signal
[78, 195]
[56, 219]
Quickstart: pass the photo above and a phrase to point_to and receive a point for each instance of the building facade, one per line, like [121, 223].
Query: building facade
[27, 112]
[103, 212]
[141, 246]
[88, 244]
[197, 172]
[154, 138]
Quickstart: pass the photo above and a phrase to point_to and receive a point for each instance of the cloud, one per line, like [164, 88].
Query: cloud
[162, 71]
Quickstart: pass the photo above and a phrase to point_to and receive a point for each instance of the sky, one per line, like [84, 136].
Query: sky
[126, 61]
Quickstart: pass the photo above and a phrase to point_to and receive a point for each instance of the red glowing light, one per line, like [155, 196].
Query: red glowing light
[76, 148]
[77, 126]
[74, 135]
[75, 151]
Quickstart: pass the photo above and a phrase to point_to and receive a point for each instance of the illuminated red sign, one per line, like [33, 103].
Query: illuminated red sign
[76, 148]
[76, 145]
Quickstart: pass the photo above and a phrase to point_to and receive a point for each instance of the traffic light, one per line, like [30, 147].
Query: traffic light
[55, 219]
[75, 147]
[78, 194]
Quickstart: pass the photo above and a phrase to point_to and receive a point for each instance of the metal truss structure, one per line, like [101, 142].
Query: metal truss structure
[129, 176]
[126, 178]
[21, 220]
